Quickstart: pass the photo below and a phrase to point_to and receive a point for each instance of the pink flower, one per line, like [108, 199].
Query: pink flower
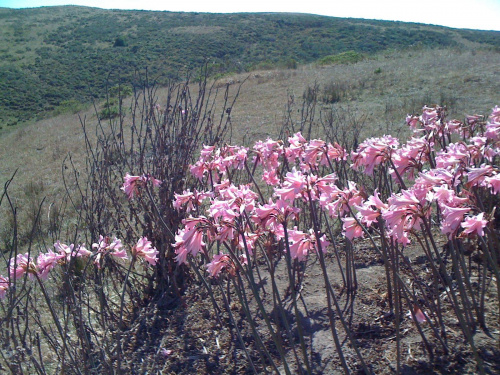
[367, 214]
[226, 230]
[302, 243]
[4, 285]
[270, 216]
[337, 202]
[103, 246]
[232, 157]
[294, 184]
[411, 157]
[47, 261]
[198, 170]
[454, 155]
[493, 182]
[452, 217]
[299, 246]
[314, 152]
[21, 265]
[430, 119]
[335, 152]
[144, 250]
[218, 263]
[296, 147]
[270, 177]
[70, 251]
[351, 228]
[268, 153]
[132, 184]
[493, 125]
[189, 199]
[326, 184]
[477, 175]
[64, 249]
[419, 315]
[474, 224]
[189, 240]
[81, 251]
[116, 249]
[447, 197]
[435, 177]
[375, 201]
[374, 151]
[405, 212]
[206, 152]
[249, 239]
[413, 122]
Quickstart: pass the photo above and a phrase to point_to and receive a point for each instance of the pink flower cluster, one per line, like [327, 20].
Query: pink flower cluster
[219, 160]
[24, 264]
[440, 174]
[373, 152]
[234, 216]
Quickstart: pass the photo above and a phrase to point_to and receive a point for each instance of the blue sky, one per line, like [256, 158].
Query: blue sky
[470, 14]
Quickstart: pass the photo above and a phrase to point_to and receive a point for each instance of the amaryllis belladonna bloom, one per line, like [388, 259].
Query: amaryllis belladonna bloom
[47, 261]
[4, 286]
[452, 218]
[301, 243]
[189, 200]
[189, 240]
[373, 152]
[419, 315]
[475, 225]
[218, 263]
[493, 182]
[475, 176]
[71, 251]
[113, 248]
[132, 184]
[144, 249]
[21, 265]
[351, 227]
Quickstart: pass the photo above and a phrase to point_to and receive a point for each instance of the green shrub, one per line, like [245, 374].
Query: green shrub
[264, 65]
[291, 64]
[120, 42]
[348, 57]
[120, 91]
[69, 106]
[109, 112]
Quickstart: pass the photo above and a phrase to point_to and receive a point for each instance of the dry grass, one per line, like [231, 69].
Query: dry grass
[468, 81]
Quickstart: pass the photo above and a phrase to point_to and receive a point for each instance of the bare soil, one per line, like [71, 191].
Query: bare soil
[198, 344]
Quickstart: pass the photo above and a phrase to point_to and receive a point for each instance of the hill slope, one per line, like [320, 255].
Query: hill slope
[59, 56]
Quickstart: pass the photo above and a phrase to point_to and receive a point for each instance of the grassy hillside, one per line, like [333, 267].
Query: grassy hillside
[54, 58]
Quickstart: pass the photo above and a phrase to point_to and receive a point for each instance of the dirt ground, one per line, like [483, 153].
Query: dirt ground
[187, 339]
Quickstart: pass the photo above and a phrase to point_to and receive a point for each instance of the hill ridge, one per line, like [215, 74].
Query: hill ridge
[51, 57]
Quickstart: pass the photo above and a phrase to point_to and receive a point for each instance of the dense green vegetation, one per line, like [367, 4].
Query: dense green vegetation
[49, 56]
